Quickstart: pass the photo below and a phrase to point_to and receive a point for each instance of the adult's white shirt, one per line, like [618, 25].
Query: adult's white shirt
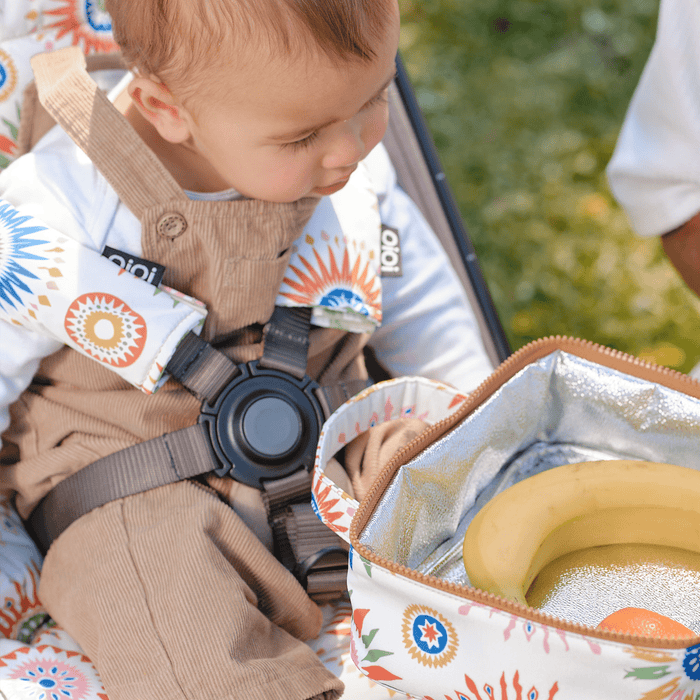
[655, 170]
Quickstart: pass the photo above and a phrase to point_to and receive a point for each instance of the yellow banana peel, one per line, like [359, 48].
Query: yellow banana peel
[577, 506]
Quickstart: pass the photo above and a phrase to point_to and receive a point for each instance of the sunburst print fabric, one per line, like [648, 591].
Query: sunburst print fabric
[335, 263]
[52, 284]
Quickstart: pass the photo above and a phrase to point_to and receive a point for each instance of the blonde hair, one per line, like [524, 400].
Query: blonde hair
[173, 40]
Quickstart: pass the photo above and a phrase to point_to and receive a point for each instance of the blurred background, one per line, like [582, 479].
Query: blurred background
[525, 99]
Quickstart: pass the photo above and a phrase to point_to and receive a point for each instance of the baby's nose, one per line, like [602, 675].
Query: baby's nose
[347, 149]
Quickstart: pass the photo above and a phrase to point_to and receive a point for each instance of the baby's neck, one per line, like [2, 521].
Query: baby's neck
[189, 168]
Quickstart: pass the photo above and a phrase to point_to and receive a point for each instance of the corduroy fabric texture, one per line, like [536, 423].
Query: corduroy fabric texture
[169, 592]
[171, 596]
[370, 452]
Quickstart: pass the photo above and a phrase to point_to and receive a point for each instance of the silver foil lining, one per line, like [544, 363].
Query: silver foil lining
[559, 410]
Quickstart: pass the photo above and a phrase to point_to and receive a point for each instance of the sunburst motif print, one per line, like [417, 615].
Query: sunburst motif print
[53, 680]
[8, 75]
[670, 676]
[347, 287]
[97, 16]
[8, 141]
[106, 329]
[15, 239]
[429, 637]
[88, 23]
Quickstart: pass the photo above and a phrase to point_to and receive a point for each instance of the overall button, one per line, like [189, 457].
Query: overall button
[171, 225]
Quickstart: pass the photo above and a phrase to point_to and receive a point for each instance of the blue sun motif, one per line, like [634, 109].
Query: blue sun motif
[429, 634]
[691, 662]
[339, 298]
[15, 238]
[429, 637]
[351, 286]
[97, 16]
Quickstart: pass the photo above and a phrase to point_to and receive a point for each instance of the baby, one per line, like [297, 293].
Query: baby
[261, 117]
[277, 100]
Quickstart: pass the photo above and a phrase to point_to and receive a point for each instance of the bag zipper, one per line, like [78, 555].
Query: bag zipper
[588, 350]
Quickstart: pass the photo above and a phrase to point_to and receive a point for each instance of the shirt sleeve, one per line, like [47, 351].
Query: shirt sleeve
[21, 351]
[655, 170]
[428, 327]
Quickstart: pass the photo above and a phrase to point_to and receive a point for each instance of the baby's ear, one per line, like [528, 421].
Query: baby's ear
[158, 105]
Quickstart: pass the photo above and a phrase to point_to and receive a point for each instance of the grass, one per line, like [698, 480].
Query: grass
[525, 99]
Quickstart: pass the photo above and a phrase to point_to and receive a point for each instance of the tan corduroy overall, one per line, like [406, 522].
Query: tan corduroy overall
[169, 592]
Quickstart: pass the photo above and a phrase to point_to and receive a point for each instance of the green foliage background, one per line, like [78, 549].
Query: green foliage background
[525, 99]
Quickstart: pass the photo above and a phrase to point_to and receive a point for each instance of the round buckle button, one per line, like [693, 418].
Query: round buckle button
[264, 425]
[272, 426]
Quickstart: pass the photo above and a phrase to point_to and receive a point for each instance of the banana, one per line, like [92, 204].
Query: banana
[577, 506]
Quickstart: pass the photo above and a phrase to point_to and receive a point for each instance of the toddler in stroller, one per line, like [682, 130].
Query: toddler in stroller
[257, 117]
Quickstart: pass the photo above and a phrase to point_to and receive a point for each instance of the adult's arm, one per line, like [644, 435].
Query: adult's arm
[655, 170]
[682, 246]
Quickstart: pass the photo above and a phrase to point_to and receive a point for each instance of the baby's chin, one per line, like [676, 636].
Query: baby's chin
[326, 191]
[304, 192]
[315, 193]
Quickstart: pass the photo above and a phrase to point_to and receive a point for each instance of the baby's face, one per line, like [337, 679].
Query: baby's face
[285, 130]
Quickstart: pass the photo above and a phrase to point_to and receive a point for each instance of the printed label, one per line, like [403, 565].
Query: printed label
[390, 253]
[139, 267]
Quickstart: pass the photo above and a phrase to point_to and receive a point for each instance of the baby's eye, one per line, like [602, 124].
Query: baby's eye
[381, 98]
[302, 143]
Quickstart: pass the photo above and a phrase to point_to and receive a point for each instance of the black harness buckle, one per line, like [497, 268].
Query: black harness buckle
[258, 424]
[264, 425]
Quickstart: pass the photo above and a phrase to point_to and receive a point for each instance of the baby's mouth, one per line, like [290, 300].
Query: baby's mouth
[335, 187]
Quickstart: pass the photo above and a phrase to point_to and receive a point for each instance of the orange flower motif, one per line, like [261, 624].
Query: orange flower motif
[18, 611]
[7, 146]
[489, 690]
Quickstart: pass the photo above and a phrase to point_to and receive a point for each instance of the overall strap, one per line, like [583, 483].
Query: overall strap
[83, 110]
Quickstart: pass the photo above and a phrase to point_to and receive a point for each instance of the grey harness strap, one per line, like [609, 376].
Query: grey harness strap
[304, 545]
[172, 457]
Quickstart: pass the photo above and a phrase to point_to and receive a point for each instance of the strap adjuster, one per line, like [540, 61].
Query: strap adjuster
[324, 576]
[316, 556]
